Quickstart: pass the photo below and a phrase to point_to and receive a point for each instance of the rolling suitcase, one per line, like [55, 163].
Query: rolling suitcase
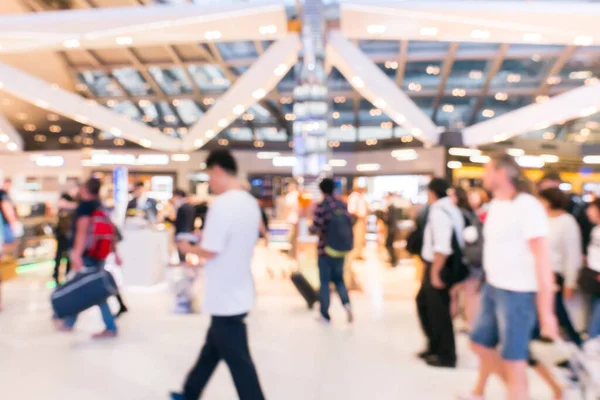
[305, 289]
[87, 289]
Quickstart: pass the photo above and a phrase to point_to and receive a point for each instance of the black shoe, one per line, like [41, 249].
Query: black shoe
[424, 354]
[436, 361]
[122, 311]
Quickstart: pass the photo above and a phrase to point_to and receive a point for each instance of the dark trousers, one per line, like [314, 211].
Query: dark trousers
[62, 251]
[226, 340]
[433, 306]
[389, 245]
[563, 316]
[331, 270]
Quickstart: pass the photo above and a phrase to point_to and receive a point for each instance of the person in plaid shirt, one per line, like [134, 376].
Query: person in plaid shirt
[330, 269]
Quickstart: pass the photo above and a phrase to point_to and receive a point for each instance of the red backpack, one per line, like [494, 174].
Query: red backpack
[102, 234]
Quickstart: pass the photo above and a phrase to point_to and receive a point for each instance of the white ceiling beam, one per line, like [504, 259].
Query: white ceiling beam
[248, 89]
[469, 21]
[374, 85]
[10, 139]
[141, 26]
[60, 101]
[576, 103]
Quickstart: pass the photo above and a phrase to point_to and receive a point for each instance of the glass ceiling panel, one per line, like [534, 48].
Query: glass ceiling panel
[100, 84]
[132, 81]
[166, 114]
[261, 114]
[418, 46]
[380, 46]
[454, 110]
[522, 73]
[422, 75]
[189, 111]
[425, 104]
[493, 107]
[128, 108]
[341, 103]
[271, 134]
[150, 112]
[580, 69]
[336, 81]
[172, 80]
[242, 134]
[209, 78]
[288, 82]
[468, 74]
[237, 50]
[370, 132]
[389, 69]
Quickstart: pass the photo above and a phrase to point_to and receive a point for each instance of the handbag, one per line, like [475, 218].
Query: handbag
[589, 281]
[455, 269]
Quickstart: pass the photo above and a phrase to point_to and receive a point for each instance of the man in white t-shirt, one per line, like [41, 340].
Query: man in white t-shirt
[519, 278]
[230, 235]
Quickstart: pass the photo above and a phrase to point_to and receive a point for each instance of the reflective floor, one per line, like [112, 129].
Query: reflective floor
[297, 358]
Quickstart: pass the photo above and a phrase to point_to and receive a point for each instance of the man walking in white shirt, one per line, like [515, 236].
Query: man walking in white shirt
[444, 222]
[519, 277]
[230, 235]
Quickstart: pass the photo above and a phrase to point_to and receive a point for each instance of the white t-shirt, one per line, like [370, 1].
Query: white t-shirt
[507, 258]
[444, 219]
[231, 231]
[358, 205]
[594, 250]
[566, 253]
[292, 206]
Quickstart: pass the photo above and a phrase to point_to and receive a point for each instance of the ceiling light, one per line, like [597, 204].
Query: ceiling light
[41, 103]
[88, 141]
[248, 117]
[387, 125]
[591, 81]
[405, 155]
[501, 137]
[285, 161]
[12, 146]
[223, 122]
[290, 117]
[64, 140]
[116, 131]
[82, 119]
[259, 94]
[210, 133]
[463, 152]
[77, 139]
[357, 82]
[448, 108]
[259, 144]
[368, 167]
[145, 143]
[541, 99]
[454, 164]
[428, 31]
[515, 152]
[583, 41]
[415, 87]
[87, 129]
[286, 100]
[479, 159]
[458, 92]
[416, 132]
[530, 162]
[501, 96]
[391, 64]
[513, 78]
[584, 132]
[380, 103]
[475, 74]
[554, 80]
[580, 75]
[124, 40]
[488, 113]
[71, 43]
[223, 142]
[180, 157]
[376, 29]
[168, 131]
[4, 138]
[371, 142]
[212, 35]
[21, 116]
[54, 128]
[550, 158]
[480, 34]
[30, 127]
[267, 30]
[144, 103]
[591, 159]
[400, 119]
[406, 139]
[182, 130]
[111, 103]
[40, 138]
[536, 58]
[532, 37]
[432, 70]
[281, 70]
[374, 112]
[239, 109]
[267, 155]
[335, 115]
[208, 101]
[338, 163]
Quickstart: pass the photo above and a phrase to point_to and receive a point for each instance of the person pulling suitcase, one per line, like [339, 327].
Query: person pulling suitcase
[94, 237]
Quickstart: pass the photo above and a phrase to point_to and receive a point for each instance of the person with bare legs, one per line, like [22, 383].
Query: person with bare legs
[519, 277]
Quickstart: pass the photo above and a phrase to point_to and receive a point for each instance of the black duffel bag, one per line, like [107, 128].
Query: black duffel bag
[589, 281]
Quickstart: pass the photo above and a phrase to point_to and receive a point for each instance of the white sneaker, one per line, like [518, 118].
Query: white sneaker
[349, 313]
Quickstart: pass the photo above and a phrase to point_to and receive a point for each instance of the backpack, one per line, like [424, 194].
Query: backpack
[473, 238]
[414, 241]
[456, 269]
[340, 237]
[101, 237]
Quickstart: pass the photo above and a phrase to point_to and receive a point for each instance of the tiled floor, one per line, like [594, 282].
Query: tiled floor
[297, 358]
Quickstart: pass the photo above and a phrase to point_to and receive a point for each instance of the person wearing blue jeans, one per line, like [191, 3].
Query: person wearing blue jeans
[107, 316]
[331, 270]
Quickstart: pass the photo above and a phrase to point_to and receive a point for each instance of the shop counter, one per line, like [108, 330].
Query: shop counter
[145, 254]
